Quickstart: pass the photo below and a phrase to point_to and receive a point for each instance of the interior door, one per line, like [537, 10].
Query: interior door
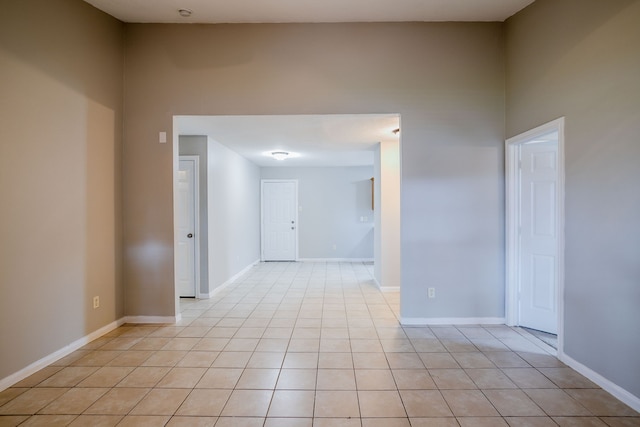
[279, 220]
[186, 266]
[538, 305]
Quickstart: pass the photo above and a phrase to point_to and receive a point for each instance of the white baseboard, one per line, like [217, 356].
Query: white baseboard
[233, 279]
[375, 280]
[220, 288]
[335, 259]
[79, 343]
[618, 392]
[75, 345]
[152, 319]
[425, 321]
[386, 288]
[64, 351]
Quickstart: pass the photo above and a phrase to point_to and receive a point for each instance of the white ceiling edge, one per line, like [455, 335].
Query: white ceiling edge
[326, 140]
[296, 11]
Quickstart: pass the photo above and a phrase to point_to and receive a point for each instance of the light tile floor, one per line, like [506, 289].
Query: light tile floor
[309, 344]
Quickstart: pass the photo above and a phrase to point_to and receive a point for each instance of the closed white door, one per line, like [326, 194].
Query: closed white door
[539, 234]
[279, 220]
[185, 265]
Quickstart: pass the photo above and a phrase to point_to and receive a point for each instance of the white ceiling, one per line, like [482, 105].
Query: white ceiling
[312, 140]
[263, 11]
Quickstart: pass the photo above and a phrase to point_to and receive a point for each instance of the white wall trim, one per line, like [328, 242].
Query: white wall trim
[233, 279]
[79, 343]
[424, 321]
[375, 280]
[58, 354]
[335, 259]
[152, 319]
[175, 143]
[218, 289]
[386, 288]
[618, 392]
[196, 224]
[512, 225]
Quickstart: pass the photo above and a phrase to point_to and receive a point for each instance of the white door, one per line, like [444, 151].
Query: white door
[279, 220]
[186, 220]
[538, 305]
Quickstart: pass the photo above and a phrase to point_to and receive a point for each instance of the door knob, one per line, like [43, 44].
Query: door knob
[190, 235]
[292, 228]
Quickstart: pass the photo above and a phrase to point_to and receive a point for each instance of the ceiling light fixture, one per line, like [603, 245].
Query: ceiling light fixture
[185, 13]
[279, 155]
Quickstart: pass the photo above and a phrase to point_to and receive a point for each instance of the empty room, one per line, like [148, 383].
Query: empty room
[364, 213]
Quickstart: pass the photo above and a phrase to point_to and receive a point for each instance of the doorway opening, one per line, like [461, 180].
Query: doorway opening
[535, 229]
[187, 228]
[239, 148]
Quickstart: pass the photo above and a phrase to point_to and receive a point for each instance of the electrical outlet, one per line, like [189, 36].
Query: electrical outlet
[431, 292]
[96, 302]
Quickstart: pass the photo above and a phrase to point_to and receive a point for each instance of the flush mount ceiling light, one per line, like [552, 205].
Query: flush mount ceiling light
[185, 13]
[279, 155]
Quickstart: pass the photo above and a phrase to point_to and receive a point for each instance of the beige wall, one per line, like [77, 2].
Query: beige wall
[60, 160]
[446, 80]
[580, 59]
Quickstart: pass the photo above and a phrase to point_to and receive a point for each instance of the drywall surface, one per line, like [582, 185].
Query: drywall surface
[61, 66]
[197, 146]
[579, 59]
[234, 213]
[335, 220]
[388, 208]
[446, 80]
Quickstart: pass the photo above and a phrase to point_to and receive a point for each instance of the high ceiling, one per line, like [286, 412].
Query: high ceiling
[328, 140]
[271, 11]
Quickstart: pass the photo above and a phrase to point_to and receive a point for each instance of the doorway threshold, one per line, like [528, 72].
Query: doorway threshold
[550, 339]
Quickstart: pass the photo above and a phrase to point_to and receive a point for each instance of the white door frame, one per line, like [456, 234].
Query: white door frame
[297, 225]
[512, 215]
[196, 231]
